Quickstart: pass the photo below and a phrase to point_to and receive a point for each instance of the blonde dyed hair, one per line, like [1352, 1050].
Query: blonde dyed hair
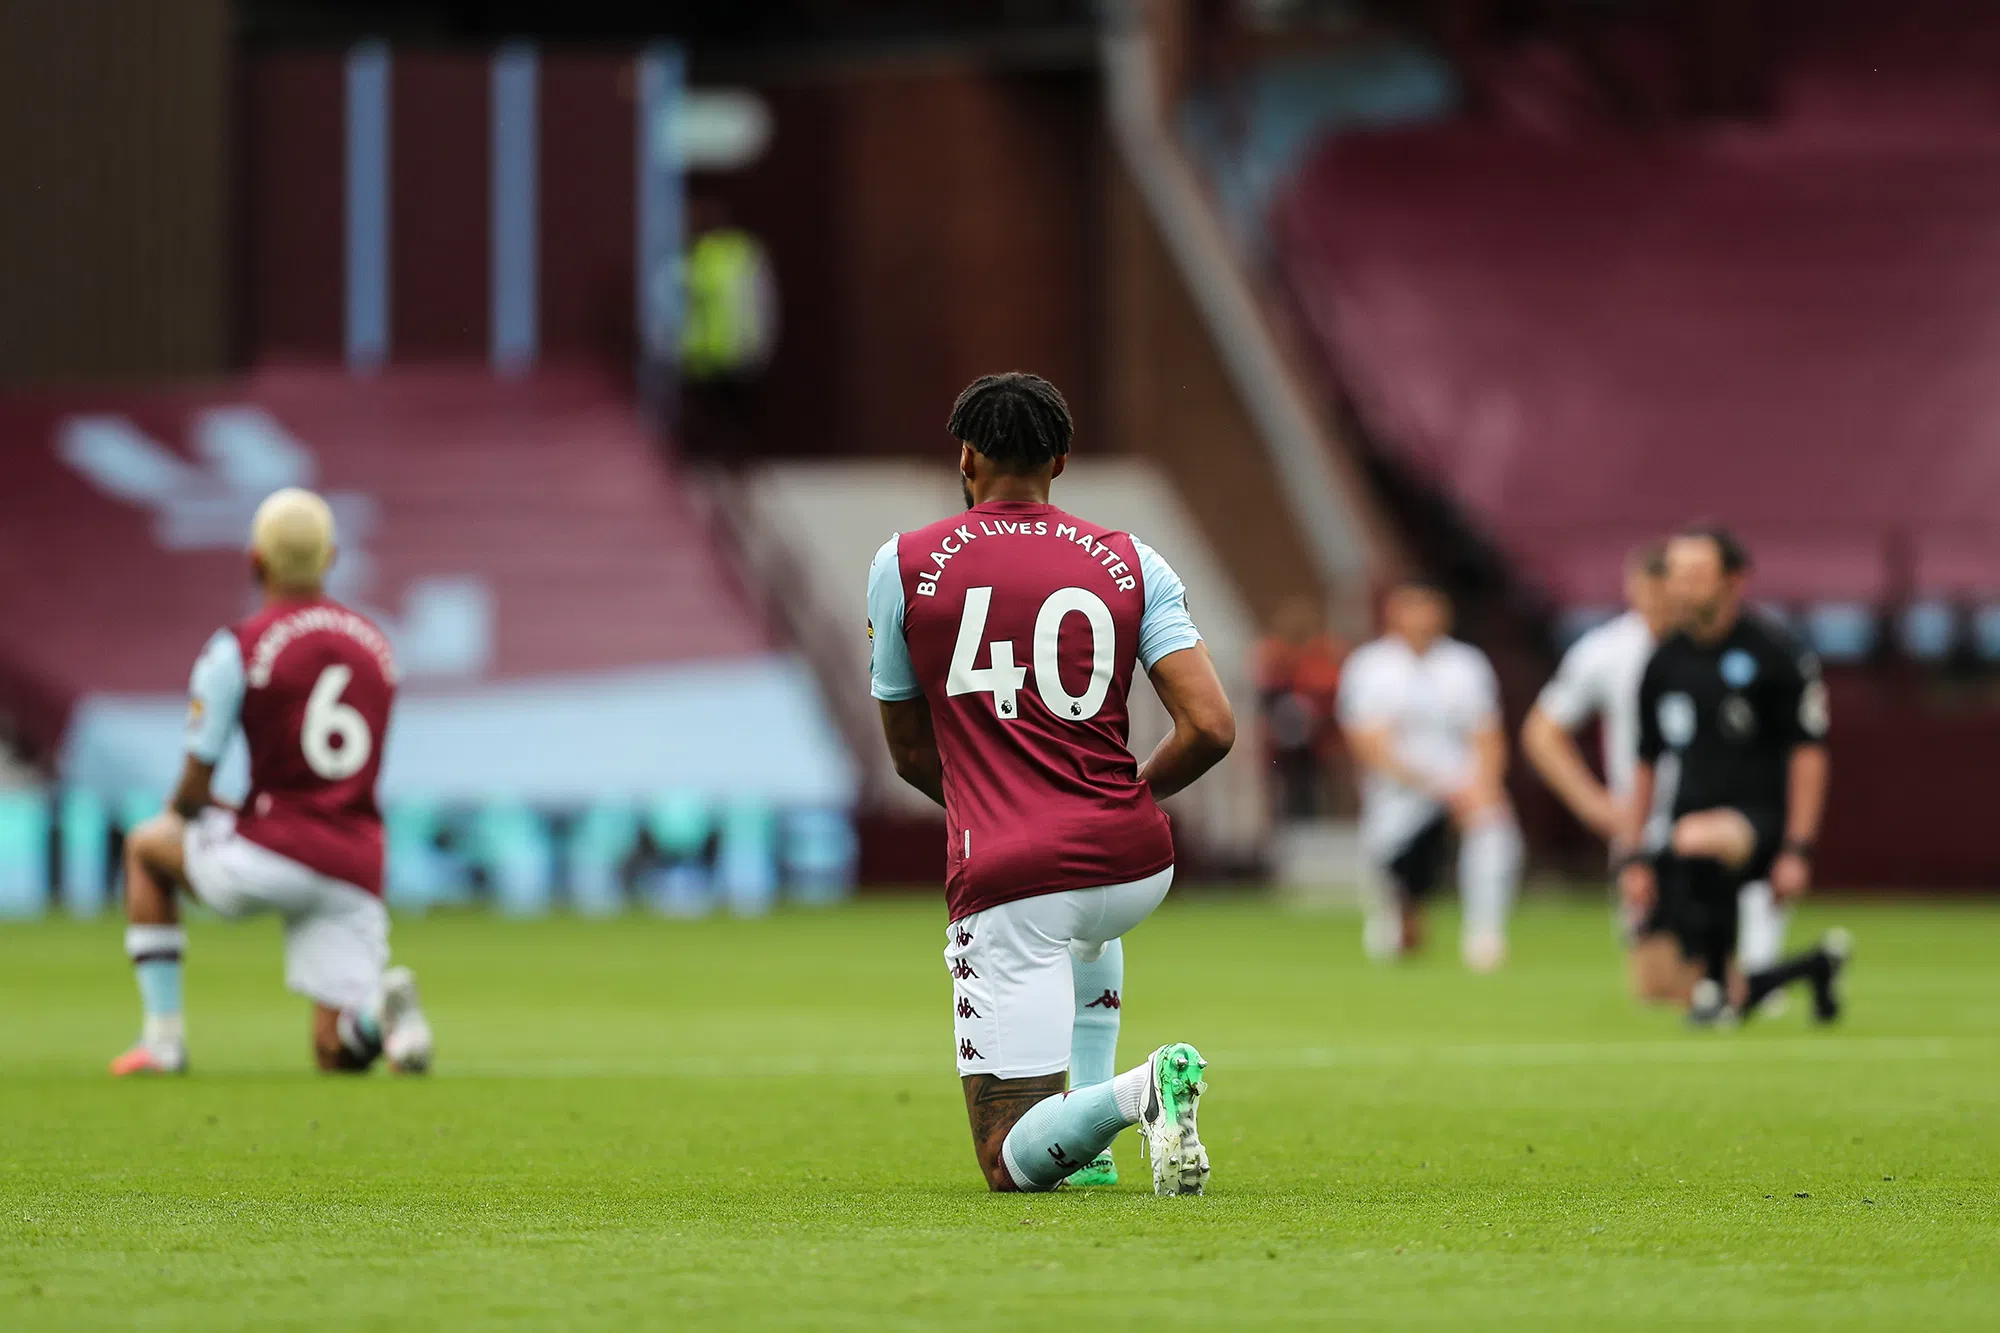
[293, 535]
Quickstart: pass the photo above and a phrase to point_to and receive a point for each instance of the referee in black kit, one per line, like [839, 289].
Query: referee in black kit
[1733, 723]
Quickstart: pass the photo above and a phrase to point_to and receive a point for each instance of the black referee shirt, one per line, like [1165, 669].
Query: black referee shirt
[1733, 711]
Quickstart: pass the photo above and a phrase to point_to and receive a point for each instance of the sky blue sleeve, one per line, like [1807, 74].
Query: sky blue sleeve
[891, 676]
[1165, 625]
[215, 697]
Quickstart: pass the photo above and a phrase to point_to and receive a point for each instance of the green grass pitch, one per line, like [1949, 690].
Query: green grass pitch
[644, 1123]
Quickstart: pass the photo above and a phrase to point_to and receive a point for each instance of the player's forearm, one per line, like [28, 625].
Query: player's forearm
[925, 772]
[1553, 754]
[906, 726]
[1187, 752]
[1632, 819]
[1489, 753]
[1805, 798]
[191, 794]
[1204, 722]
[1373, 751]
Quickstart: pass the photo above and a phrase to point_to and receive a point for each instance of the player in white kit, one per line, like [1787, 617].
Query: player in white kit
[1599, 677]
[1421, 712]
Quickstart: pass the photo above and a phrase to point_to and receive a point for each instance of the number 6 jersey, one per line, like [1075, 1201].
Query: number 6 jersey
[1021, 624]
[311, 683]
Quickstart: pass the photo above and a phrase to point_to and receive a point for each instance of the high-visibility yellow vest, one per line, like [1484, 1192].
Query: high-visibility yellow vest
[730, 321]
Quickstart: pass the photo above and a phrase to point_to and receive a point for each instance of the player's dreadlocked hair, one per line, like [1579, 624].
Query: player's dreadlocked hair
[1017, 420]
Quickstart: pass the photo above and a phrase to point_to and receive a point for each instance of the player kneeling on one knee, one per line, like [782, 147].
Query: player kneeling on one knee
[1740, 705]
[309, 683]
[1421, 712]
[1005, 641]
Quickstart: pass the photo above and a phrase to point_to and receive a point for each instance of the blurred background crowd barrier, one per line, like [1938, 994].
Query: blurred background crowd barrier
[618, 349]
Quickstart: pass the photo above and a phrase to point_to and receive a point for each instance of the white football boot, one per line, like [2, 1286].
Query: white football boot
[1166, 1121]
[406, 1033]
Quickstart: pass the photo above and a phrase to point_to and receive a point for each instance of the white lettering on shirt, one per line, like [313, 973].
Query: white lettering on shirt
[955, 542]
[280, 634]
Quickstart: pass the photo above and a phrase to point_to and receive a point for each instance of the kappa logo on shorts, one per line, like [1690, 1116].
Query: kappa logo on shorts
[961, 936]
[965, 1009]
[1108, 1000]
[962, 971]
[967, 1051]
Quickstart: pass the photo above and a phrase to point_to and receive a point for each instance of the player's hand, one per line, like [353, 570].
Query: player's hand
[1791, 876]
[1638, 888]
[1469, 802]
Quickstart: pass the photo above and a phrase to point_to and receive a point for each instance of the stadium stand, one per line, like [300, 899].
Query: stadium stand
[553, 587]
[1583, 339]
[1563, 293]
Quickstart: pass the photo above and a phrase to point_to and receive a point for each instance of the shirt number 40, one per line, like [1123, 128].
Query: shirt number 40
[1003, 680]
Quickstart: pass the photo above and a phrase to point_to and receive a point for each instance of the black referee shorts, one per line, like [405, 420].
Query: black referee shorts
[1696, 898]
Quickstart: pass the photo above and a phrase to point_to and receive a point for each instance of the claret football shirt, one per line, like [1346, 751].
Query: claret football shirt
[1021, 625]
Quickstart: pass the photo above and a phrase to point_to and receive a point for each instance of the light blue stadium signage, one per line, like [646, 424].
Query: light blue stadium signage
[679, 853]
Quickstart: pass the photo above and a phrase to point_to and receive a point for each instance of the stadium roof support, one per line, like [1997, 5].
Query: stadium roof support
[1328, 499]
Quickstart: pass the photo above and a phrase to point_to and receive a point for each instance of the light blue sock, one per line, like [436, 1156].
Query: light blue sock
[1100, 988]
[155, 951]
[1060, 1134]
[160, 986]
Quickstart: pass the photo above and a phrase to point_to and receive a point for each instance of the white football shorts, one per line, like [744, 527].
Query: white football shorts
[336, 934]
[1013, 999]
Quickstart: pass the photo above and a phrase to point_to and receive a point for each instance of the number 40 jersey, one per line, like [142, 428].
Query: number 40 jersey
[311, 682]
[1020, 625]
